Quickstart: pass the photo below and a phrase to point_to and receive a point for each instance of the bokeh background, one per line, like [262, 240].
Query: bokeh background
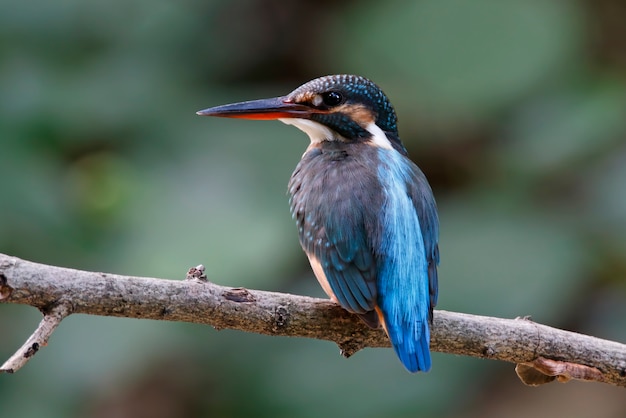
[516, 111]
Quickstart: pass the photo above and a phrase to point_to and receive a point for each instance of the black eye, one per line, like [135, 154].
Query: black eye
[332, 98]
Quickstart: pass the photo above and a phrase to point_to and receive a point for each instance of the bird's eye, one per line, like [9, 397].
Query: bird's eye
[332, 98]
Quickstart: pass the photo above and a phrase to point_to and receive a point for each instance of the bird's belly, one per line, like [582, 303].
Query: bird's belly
[316, 266]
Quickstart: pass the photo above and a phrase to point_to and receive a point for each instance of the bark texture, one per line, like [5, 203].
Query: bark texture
[542, 353]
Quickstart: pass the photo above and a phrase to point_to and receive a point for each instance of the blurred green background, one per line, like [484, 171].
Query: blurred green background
[516, 112]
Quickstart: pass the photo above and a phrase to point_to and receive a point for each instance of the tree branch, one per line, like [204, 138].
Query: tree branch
[51, 320]
[542, 353]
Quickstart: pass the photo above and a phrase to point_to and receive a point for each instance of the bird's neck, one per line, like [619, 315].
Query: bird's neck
[320, 134]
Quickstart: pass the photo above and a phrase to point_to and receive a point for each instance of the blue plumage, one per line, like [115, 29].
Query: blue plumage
[366, 216]
[375, 236]
[403, 281]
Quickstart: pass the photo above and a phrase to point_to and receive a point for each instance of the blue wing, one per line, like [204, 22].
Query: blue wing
[334, 211]
[348, 263]
[407, 259]
[424, 202]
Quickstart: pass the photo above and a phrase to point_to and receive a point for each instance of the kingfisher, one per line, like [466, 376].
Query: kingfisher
[366, 215]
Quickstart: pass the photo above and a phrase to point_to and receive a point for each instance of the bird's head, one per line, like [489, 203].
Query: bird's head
[344, 108]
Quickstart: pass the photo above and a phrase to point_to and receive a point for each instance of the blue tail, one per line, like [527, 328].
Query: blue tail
[411, 343]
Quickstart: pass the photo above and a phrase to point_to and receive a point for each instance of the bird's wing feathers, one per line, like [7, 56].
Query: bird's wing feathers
[347, 263]
[331, 201]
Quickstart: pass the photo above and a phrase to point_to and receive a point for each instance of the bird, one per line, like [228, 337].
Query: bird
[366, 215]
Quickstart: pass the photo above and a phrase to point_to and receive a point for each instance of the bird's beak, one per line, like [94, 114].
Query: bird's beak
[264, 109]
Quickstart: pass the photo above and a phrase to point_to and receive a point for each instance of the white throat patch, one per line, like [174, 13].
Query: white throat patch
[319, 133]
[316, 131]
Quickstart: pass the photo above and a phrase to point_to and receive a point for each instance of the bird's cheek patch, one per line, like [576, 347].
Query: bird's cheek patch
[358, 113]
